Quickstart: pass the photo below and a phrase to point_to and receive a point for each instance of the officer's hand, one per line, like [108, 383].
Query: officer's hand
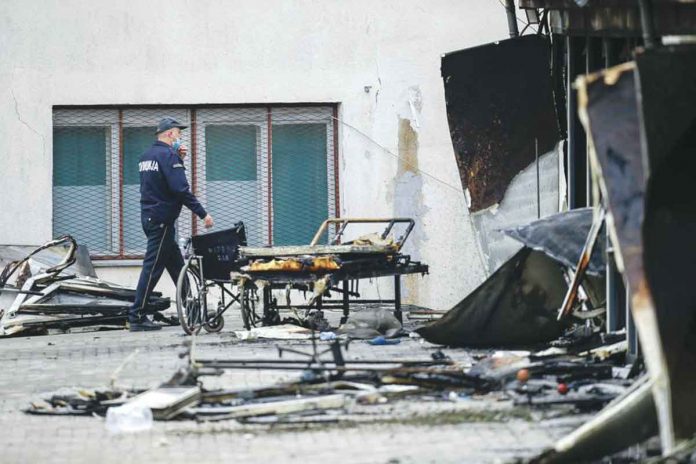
[183, 151]
[208, 220]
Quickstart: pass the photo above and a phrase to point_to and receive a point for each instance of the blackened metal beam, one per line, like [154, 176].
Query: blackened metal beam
[650, 39]
[576, 146]
[511, 18]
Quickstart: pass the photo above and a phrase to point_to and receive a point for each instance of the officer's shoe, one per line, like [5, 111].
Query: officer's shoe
[143, 325]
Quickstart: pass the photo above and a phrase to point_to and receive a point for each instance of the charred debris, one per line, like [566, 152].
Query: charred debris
[613, 81]
[55, 287]
[333, 387]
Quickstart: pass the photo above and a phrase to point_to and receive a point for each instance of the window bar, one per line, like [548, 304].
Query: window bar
[111, 250]
[270, 176]
[337, 191]
[121, 244]
[194, 171]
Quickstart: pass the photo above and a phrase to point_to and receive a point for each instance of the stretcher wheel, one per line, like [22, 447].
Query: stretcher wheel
[190, 299]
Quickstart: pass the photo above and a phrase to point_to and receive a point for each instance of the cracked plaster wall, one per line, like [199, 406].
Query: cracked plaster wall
[379, 60]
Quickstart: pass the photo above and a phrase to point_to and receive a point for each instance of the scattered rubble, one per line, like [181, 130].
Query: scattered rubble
[331, 385]
[55, 287]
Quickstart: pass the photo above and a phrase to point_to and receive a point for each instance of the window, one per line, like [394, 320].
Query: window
[272, 167]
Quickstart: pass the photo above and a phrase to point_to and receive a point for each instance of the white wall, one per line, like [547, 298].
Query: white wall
[204, 51]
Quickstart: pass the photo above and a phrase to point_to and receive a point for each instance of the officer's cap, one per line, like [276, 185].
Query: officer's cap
[168, 123]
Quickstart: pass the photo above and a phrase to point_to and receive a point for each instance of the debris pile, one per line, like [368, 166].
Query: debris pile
[330, 386]
[55, 287]
[629, 153]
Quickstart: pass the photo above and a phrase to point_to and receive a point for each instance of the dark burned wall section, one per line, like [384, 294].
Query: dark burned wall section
[502, 116]
[499, 100]
[668, 93]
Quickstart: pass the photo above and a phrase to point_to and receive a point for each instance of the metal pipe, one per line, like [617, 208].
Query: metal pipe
[611, 289]
[329, 368]
[576, 145]
[650, 39]
[511, 18]
[304, 362]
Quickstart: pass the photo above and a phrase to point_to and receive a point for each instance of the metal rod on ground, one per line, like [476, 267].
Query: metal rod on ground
[325, 368]
[536, 153]
[19, 290]
[298, 361]
[397, 299]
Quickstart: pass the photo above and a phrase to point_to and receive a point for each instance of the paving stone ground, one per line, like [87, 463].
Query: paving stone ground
[32, 367]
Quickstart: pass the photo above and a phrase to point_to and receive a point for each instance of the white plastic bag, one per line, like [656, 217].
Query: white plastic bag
[128, 418]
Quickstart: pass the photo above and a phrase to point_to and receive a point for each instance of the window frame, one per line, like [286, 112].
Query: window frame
[116, 117]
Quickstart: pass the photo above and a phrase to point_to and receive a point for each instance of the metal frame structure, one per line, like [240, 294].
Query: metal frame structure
[372, 262]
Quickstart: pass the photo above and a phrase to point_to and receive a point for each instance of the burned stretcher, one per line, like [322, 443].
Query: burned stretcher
[319, 269]
[54, 286]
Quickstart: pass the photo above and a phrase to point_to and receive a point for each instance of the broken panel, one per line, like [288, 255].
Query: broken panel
[515, 306]
[54, 286]
[641, 126]
[562, 237]
[499, 100]
[505, 135]
[668, 113]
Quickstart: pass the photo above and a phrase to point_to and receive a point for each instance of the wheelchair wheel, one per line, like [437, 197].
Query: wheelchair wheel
[249, 298]
[213, 325]
[190, 299]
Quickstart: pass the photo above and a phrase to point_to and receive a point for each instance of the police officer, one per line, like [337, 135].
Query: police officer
[163, 191]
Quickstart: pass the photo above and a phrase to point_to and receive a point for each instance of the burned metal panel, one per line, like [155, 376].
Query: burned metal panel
[533, 193]
[49, 257]
[668, 108]
[667, 84]
[653, 240]
[609, 110]
[612, 122]
[499, 100]
[562, 237]
[515, 306]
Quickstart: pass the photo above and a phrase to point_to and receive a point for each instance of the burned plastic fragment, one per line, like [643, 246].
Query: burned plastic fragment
[515, 306]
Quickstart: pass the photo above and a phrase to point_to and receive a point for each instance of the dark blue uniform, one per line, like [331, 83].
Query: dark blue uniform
[163, 191]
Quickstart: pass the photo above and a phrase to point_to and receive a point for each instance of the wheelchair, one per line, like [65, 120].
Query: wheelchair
[209, 260]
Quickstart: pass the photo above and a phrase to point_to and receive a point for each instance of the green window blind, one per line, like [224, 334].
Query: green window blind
[300, 190]
[231, 155]
[81, 200]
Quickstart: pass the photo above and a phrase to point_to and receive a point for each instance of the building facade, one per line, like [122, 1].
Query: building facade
[298, 111]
